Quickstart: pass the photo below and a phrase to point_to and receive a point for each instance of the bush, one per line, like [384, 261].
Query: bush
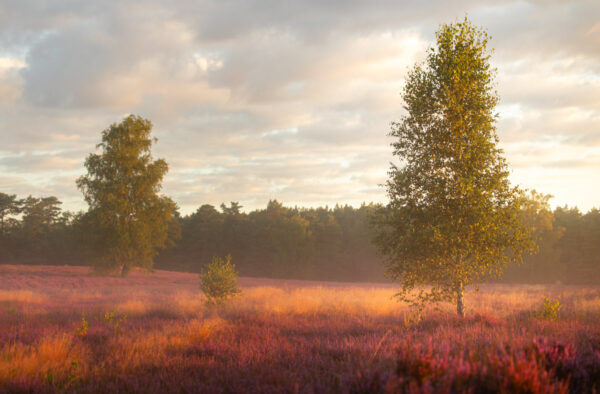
[218, 280]
[549, 309]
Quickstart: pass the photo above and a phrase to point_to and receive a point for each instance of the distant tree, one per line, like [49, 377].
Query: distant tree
[278, 241]
[203, 229]
[544, 265]
[129, 220]
[284, 238]
[9, 206]
[591, 246]
[42, 234]
[39, 214]
[580, 245]
[234, 209]
[453, 219]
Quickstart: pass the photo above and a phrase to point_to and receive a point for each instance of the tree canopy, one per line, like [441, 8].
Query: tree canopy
[453, 218]
[9, 206]
[130, 220]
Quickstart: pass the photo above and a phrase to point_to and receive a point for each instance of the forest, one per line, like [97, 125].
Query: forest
[325, 243]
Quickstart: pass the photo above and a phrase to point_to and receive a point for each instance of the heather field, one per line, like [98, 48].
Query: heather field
[63, 329]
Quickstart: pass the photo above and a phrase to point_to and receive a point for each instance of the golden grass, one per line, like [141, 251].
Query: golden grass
[167, 319]
[188, 303]
[200, 330]
[319, 300]
[153, 345]
[52, 358]
[24, 296]
[500, 300]
[133, 307]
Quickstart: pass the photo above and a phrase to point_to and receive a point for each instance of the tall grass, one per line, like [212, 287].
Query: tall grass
[284, 336]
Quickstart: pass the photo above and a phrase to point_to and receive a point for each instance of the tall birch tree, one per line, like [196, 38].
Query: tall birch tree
[452, 217]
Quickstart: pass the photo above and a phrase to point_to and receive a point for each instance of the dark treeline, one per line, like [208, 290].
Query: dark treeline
[283, 242]
[280, 242]
[37, 231]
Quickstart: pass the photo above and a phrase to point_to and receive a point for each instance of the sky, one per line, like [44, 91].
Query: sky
[289, 100]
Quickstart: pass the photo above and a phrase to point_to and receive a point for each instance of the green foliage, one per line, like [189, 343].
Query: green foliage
[580, 244]
[412, 317]
[9, 207]
[39, 214]
[325, 243]
[453, 219]
[114, 320]
[73, 372]
[82, 329]
[549, 309]
[128, 220]
[545, 265]
[279, 241]
[218, 281]
[34, 230]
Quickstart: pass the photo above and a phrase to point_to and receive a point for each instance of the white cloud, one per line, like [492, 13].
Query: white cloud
[253, 100]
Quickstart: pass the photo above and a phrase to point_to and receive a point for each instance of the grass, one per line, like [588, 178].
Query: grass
[154, 333]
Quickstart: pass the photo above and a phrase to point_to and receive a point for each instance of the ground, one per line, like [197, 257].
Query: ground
[62, 329]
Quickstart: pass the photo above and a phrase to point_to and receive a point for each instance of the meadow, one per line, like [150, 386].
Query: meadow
[62, 329]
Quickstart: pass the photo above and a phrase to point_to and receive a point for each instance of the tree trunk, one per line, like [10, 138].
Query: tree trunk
[460, 305]
[125, 270]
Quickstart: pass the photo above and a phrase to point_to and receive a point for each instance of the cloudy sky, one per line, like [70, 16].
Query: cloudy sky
[256, 100]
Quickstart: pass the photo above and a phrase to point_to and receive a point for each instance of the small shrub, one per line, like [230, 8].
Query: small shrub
[73, 372]
[218, 280]
[114, 321]
[82, 330]
[549, 309]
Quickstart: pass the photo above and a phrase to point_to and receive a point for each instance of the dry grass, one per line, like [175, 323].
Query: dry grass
[21, 296]
[154, 333]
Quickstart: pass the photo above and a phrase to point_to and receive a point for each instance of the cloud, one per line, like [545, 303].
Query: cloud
[37, 162]
[546, 29]
[254, 100]
[10, 83]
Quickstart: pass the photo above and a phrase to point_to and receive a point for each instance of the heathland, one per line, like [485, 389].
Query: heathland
[63, 329]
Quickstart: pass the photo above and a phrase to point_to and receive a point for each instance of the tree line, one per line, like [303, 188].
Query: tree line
[325, 243]
[281, 242]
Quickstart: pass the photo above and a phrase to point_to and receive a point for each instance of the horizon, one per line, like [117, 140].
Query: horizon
[285, 102]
